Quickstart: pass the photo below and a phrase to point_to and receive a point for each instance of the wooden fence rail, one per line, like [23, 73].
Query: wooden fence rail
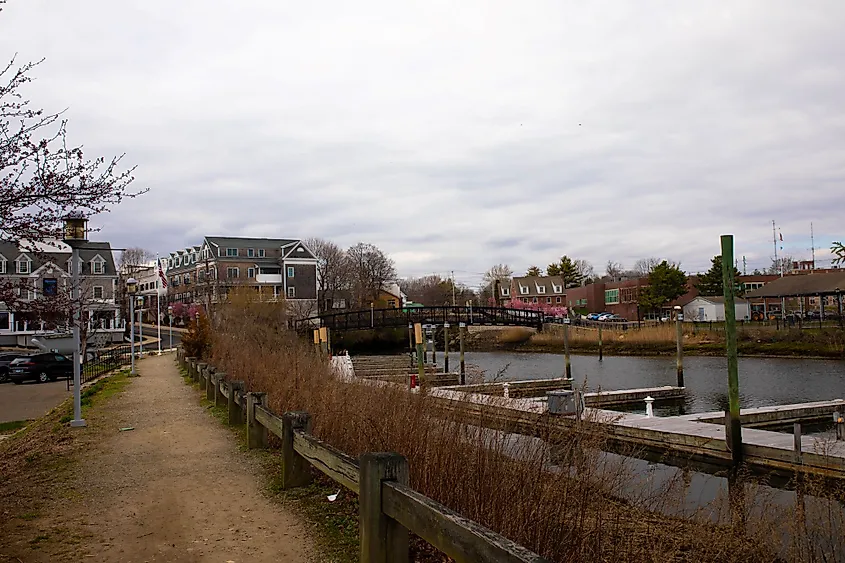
[388, 508]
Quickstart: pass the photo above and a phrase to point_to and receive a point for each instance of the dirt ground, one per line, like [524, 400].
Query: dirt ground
[175, 488]
[30, 400]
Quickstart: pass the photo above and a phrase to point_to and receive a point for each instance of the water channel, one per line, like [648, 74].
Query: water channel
[704, 491]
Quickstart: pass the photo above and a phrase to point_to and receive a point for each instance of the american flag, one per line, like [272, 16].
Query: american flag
[162, 276]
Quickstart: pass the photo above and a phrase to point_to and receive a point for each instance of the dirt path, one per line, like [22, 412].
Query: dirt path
[176, 488]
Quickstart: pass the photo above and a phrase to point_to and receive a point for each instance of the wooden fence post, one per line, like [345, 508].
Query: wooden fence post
[209, 382]
[201, 374]
[219, 379]
[234, 407]
[189, 366]
[383, 540]
[294, 467]
[256, 435]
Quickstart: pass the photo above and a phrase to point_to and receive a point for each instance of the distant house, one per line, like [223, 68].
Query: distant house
[702, 308]
[535, 290]
[43, 275]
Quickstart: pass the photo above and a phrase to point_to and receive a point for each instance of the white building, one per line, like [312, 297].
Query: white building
[713, 309]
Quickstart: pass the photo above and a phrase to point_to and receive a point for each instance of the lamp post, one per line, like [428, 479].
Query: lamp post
[140, 326]
[131, 290]
[75, 227]
[170, 318]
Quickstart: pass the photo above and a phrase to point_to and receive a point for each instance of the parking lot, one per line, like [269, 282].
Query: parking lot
[30, 400]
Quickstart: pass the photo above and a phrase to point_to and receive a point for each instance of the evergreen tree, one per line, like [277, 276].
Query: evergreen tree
[666, 282]
[710, 284]
[534, 271]
[567, 269]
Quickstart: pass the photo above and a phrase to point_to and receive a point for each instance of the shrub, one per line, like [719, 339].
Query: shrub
[196, 341]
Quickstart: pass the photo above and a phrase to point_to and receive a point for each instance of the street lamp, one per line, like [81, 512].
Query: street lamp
[170, 317]
[74, 234]
[140, 326]
[131, 290]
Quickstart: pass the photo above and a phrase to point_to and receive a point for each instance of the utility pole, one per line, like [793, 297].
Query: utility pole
[453, 288]
[813, 245]
[744, 266]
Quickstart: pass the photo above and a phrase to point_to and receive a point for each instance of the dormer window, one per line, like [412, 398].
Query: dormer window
[98, 265]
[169, 263]
[558, 289]
[231, 252]
[541, 289]
[506, 291]
[300, 249]
[23, 265]
[2, 264]
[261, 253]
[250, 252]
[523, 289]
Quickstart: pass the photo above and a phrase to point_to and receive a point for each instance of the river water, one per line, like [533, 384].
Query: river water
[762, 381]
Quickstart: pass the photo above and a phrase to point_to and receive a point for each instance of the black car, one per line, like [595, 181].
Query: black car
[40, 367]
[5, 360]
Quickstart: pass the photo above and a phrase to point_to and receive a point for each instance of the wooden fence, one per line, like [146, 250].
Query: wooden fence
[388, 508]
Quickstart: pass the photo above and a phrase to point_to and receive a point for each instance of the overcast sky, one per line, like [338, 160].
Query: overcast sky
[456, 135]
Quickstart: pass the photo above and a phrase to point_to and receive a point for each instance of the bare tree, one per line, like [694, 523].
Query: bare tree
[644, 266]
[42, 178]
[434, 290]
[782, 264]
[134, 259]
[613, 270]
[332, 270]
[499, 273]
[369, 269]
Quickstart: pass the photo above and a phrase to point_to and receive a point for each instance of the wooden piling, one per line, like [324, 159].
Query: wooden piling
[728, 284]
[411, 348]
[446, 347]
[383, 540]
[418, 336]
[434, 344]
[462, 327]
[568, 369]
[601, 346]
[679, 319]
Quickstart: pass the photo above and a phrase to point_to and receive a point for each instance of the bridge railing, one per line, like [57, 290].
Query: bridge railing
[388, 508]
[395, 318]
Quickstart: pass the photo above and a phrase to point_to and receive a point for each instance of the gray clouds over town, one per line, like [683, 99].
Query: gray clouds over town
[456, 135]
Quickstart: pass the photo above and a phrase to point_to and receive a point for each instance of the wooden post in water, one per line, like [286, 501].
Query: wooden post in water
[434, 345]
[601, 347]
[411, 343]
[418, 335]
[462, 327]
[729, 286]
[446, 347]
[679, 318]
[568, 369]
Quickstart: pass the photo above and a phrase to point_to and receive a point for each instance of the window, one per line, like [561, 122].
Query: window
[250, 272]
[233, 272]
[300, 249]
[187, 279]
[523, 289]
[291, 271]
[541, 289]
[250, 252]
[201, 276]
[557, 299]
[611, 296]
[261, 253]
[2, 265]
[23, 265]
[170, 262]
[231, 252]
[98, 292]
[390, 302]
[558, 288]
[506, 291]
[98, 266]
[549, 299]
[291, 292]
[50, 287]
[533, 299]
[525, 300]
[4, 320]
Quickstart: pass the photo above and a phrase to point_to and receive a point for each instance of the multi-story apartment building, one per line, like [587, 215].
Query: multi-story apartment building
[45, 274]
[277, 268]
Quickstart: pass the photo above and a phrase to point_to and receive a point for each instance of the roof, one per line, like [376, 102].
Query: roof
[801, 285]
[533, 282]
[246, 242]
[61, 254]
[717, 299]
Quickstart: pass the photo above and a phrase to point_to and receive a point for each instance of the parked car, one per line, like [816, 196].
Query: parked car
[595, 316]
[604, 317]
[40, 368]
[5, 360]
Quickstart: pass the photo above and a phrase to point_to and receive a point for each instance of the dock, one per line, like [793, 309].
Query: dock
[781, 415]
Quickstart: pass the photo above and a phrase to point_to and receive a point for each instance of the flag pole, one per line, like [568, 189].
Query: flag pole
[158, 304]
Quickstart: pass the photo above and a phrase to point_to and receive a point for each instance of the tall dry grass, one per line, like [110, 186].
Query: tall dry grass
[569, 511]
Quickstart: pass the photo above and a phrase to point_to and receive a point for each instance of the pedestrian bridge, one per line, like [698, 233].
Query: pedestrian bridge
[396, 318]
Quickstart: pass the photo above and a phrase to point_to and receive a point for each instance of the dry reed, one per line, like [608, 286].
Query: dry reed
[569, 511]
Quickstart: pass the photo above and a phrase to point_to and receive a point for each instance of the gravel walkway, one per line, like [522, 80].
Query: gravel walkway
[176, 488]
